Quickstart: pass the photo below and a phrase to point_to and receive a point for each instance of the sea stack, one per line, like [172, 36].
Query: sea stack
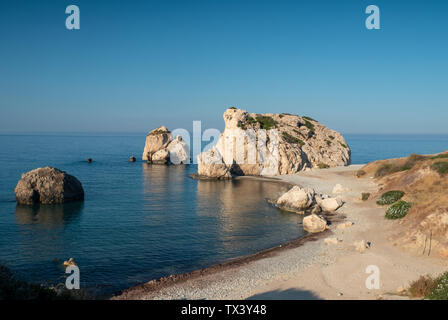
[160, 148]
[292, 143]
[48, 186]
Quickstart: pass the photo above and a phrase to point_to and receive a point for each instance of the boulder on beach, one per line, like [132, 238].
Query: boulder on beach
[331, 204]
[297, 199]
[314, 223]
[48, 186]
[273, 144]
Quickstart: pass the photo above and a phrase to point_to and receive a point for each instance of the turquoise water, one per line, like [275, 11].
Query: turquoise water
[140, 222]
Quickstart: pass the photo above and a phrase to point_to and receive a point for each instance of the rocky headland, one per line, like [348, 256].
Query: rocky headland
[272, 144]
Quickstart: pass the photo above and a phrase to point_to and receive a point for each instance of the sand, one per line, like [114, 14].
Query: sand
[311, 269]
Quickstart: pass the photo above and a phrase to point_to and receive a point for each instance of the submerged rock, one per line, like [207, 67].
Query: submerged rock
[48, 186]
[290, 144]
[132, 159]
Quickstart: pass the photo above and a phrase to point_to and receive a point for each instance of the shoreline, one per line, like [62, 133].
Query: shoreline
[308, 268]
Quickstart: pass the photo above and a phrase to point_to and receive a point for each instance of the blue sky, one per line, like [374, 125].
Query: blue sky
[135, 65]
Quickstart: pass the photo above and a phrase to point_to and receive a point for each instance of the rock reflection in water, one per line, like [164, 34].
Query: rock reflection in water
[242, 212]
[48, 215]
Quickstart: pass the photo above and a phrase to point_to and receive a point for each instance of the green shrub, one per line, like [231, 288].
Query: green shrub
[309, 125]
[440, 167]
[309, 118]
[328, 142]
[398, 210]
[385, 169]
[251, 120]
[440, 156]
[365, 196]
[422, 286]
[440, 290]
[290, 139]
[390, 197]
[13, 289]
[343, 145]
[331, 137]
[266, 122]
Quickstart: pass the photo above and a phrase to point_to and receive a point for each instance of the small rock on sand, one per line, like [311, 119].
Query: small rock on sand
[361, 245]
[331, 240]
[340, 189]
[345, 225]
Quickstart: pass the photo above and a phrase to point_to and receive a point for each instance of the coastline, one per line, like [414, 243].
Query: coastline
[307, 268]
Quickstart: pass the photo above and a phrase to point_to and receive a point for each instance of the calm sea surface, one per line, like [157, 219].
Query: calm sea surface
[140, 222]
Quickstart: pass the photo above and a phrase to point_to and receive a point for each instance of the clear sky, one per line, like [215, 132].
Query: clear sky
[135, 65]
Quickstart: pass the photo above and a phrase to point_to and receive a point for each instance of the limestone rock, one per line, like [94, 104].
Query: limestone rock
[210, 165]
[331, 204]
[361, 245]
[338, 188]
[48, 186]
[314, 223]
[290, 144]
[161, 157]
[156, 140]
[297, 199]
[179, 151]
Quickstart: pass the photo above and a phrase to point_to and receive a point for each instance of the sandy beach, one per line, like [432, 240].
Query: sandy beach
[310, 268]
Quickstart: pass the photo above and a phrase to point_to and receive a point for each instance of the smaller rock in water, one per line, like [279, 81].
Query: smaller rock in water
[340, 189]
[314, 223]
[69, 262]
[90, 160]
[132, 159]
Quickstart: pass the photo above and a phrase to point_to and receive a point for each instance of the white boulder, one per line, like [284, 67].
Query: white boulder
[314, 223]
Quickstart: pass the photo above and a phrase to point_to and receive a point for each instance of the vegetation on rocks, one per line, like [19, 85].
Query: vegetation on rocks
[309, 125]
[322, 165]
[440, 167]
[13, 289]
[266, 122]
[430, 288]
[398, 210]
[390, 197]
[365, 196]
[291, 139]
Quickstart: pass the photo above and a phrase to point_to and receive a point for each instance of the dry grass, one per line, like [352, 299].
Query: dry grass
[422, 287]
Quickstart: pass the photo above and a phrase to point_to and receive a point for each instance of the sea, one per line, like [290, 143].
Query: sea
[141, 222]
